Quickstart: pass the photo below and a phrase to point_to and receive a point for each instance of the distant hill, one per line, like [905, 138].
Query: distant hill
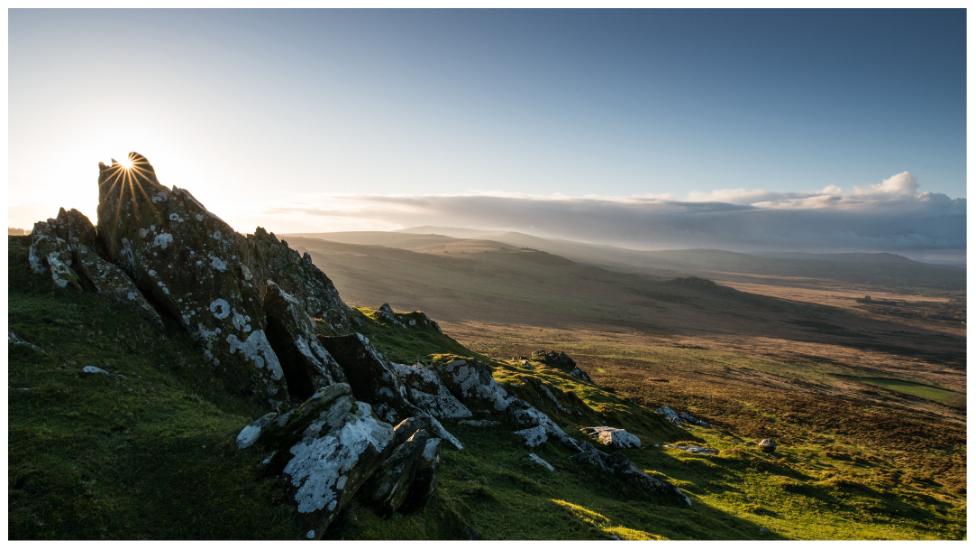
[879, 271]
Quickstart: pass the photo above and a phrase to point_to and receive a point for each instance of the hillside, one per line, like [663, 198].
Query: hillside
[878, 271]
[170, 378]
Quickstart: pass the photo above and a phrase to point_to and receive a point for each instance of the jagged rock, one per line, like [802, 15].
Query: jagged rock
[386, 315]
[190, 262]
[426, 390]
[93, 370]
[370, 375]
[327, 448]
[473, 384]
[252, 432]
[676, 417]
[562, 362]
[617, 438]
[66, 248]
[623, 469]
[419, 319]
[14, 340]
[695, 449]
[767, 445]
[215, 282]
[536, 459]
[688, 417]
[309, 365]
[407, 477]
[271, 259]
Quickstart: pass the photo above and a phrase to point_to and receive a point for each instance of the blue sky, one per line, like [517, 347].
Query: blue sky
[248, 108]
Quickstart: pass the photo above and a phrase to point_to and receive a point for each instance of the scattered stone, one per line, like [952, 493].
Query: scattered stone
[92, 370]
[533, 437]
[767, 445]
[694, 449]
[14, 340]
[536, 459]
[310, 534]
[617, 438]
[687, 417]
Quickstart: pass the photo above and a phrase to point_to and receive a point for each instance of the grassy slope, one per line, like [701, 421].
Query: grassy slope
[149, 454]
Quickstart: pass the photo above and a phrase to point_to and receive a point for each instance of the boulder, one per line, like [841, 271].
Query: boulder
[537, 460]
[370, 375]
[426, 390]
[14, 340]
[66, 247]
[91, 370]
[767, 445]
[617, 438]
[327, 448]
[386, 316]
[406, 479]
[563, 362]
[695, 449]
[624, 470]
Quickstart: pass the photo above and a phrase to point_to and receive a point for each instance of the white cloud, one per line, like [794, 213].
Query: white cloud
[890, 215]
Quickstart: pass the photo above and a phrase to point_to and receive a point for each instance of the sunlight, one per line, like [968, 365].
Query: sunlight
[125, 162]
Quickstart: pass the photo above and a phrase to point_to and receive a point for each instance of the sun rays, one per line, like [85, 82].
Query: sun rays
[124, 181]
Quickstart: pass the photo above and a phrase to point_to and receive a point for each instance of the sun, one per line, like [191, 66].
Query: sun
[126, 163]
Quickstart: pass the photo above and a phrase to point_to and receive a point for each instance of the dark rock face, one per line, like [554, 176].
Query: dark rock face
[227, 291]
[561, 361]
[370, 375]
[406, 479]
[66, 247]
[272, 259]
[385, 315]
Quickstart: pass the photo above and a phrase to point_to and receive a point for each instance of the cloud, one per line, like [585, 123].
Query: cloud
[891, 215]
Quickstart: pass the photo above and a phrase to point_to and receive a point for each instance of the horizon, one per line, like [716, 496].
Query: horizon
[359, 120]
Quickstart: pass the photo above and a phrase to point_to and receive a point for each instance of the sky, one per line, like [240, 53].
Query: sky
[379, 119]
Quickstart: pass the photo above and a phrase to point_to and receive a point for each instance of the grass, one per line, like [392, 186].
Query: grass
[924, 391]
[148, 451]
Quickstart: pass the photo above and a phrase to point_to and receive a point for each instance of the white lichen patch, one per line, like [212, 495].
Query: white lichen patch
[220, 308]
[175, 217]
[252, 432]
[217, 263]
[241, 322]
[163, 240]
[319, 463]
[257, 349]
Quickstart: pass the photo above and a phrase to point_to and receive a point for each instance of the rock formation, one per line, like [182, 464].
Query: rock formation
[344, 422]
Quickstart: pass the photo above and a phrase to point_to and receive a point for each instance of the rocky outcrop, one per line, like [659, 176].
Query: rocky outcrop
[472, 383]
[234, 295]
[618, 438]
[767, 445]
[563, 362]
[65, 247]
[426, 390]
[694, 449]
[677, 417]
[371, 376]
[271, 259]
[385, 315]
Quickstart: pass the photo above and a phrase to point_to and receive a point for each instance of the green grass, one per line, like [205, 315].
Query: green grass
[924, 391]
[148, 453]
